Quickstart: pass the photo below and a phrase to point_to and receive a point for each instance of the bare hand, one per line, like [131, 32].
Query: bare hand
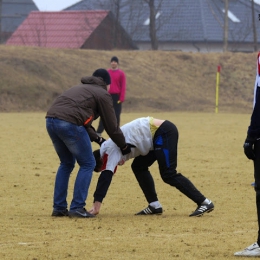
[95, 208]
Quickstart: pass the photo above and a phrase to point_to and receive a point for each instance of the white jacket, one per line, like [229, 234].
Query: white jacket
[137, 133]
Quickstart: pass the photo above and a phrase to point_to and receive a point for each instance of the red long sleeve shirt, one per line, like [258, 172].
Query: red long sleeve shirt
[118, 83]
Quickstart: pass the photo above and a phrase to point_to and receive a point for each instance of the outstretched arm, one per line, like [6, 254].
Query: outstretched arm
[103, 184]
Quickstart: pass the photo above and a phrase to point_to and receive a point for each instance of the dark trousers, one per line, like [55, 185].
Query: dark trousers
[257, 183]
[165, 153]
[117, 108]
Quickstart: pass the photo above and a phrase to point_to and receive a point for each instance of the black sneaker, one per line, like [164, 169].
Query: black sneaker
[60, 213]
[200, 210]
[150, 210]
[80, 213]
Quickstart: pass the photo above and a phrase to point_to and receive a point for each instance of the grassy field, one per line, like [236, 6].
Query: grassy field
[210, 155]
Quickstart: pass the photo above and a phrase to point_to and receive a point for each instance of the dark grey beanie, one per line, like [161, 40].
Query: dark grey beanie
[102, 73]
[114, 58]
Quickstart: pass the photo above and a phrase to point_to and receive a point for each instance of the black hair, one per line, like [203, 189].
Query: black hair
[102, 73]
[99, 161]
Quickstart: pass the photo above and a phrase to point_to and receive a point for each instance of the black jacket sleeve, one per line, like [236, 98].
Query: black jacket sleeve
[103, 184]
[254, 129]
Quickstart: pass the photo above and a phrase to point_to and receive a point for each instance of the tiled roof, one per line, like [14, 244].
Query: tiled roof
[66, 29]
[14, 12]
[182, 20]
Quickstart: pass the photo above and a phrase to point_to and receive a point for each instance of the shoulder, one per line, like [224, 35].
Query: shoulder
[121, 71]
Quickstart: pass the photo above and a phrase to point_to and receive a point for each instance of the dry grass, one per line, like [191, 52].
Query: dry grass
[210, 154]
[157, 80]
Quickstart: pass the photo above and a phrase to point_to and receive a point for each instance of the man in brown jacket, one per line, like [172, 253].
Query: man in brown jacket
[68, 123]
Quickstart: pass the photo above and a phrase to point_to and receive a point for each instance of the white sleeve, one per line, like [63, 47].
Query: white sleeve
[113, 158]
[111, 155]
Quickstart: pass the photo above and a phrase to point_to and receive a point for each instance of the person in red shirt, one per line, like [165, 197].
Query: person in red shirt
[117, 90]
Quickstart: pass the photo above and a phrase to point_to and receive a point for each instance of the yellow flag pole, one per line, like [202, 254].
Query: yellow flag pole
[217, 88]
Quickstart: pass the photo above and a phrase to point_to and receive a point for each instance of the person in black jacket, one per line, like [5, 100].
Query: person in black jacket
[252, 152]
[68, 123]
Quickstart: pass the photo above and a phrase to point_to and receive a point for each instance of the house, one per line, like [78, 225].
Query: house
[73, 30]
[13, 13]
[187, 25]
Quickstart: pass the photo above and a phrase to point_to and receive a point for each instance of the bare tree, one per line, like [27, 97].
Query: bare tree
[115, 6]
[225, 47]
[117, 16]
[152, 26]
[157, 20]
[132, 15]
[253, 24]
[38, 36]
[240, 33]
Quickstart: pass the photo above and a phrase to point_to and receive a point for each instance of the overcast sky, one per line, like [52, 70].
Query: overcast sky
[54, 5]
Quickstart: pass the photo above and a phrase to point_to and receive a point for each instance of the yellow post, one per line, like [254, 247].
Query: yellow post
[217, 88]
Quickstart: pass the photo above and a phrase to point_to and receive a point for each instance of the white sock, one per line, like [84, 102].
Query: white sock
[206, 202]
[156, 204]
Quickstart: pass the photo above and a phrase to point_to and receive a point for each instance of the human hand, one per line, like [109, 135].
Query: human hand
[100, 140]
[249, 149]
[127, 149]
[95, 208]
[118, 102]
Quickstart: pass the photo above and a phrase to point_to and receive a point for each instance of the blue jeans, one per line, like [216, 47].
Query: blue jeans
[72, 144]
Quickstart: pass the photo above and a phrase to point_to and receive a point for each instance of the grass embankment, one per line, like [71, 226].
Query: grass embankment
[156, 80]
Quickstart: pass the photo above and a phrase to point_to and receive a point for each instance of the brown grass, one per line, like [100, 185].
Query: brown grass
[157, 80]
[210, 154]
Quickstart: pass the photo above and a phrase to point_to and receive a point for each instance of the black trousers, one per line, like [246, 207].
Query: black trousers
[117, 108]
[257, 183]
[165, 153]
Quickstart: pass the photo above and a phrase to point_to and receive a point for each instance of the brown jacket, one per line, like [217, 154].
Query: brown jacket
[84, 103]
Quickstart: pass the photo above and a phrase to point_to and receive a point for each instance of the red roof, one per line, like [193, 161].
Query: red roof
[65, 29]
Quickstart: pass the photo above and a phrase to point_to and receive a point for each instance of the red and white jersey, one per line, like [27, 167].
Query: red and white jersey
[137, 133]
[257, 79]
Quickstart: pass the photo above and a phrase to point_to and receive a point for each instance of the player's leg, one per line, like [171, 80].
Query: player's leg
[254, 249]
[80, 147]
[117, 106]
[165, 147]
[67, 163]
[140, 167]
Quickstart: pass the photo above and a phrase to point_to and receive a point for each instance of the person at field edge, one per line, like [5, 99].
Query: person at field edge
[117, 90]
[152, 140]
[252, 152]
[68, 123]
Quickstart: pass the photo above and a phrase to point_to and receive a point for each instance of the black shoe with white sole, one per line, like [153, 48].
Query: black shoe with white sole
[150, 210]
[201, 209]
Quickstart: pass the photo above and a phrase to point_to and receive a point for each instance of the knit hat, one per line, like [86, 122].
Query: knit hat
[102, 73]
[114, 58]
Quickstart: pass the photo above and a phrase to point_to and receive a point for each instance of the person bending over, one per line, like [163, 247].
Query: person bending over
[152, 140]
